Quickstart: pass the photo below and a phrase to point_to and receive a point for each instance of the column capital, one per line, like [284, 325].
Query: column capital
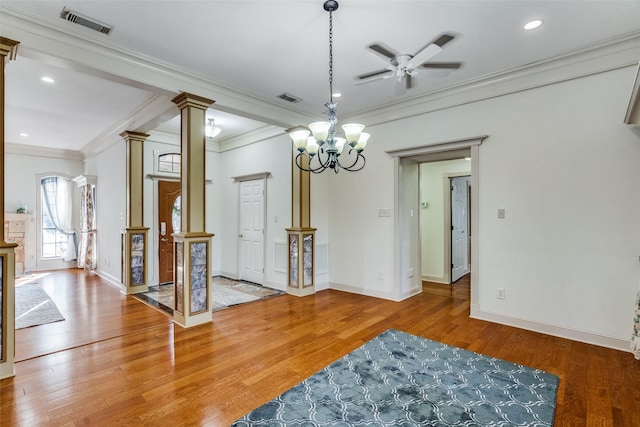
[135, 136]
[190, 100]
[8, 48]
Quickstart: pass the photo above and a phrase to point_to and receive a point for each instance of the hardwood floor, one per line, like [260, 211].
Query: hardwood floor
[132, 366]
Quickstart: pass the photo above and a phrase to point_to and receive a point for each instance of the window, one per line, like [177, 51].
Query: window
[169, 162]
[56, 231]
[54, 242]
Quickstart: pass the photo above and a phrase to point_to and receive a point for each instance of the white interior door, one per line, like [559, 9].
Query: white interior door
[252, 231]
[459, 227]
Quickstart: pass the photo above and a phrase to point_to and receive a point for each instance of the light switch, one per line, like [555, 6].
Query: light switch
[501, 213]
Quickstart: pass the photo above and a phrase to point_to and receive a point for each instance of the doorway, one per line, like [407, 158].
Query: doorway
[168, 223]
[456, 149]
[460, 227]
[252, 212]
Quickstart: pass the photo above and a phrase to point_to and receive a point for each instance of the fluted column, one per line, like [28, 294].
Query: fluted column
[135, 235]
[301, 236]
[8, 49]
[192, 272]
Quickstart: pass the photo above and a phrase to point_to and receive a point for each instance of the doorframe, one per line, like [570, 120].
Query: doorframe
[239, 179]
[425, 153]
[447, 220]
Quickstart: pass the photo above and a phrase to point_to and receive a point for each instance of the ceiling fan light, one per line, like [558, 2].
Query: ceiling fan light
[320, 130]
[211, 130]
[299, 138]
[362, 142]
[352, 132]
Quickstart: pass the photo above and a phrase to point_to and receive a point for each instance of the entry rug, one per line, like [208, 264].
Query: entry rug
[398, 379]
[34, 307]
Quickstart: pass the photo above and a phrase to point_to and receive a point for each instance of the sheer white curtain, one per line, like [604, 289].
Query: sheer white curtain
[57, 195]
[87, 247]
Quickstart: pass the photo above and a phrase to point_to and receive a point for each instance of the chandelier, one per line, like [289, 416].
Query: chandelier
[319, 142]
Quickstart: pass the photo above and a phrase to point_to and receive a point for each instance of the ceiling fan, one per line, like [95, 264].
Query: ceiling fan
[404, 66]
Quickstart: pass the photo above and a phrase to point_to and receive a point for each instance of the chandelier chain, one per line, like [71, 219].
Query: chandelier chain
[331, 56]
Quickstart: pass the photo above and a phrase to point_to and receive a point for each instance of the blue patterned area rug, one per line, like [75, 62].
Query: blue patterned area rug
[398, 379]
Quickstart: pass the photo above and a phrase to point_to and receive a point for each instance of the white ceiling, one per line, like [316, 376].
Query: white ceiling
[264, 48]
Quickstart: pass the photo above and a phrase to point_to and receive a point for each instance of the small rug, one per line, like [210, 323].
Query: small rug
[34, 307]
[224, 293]
[398, 379]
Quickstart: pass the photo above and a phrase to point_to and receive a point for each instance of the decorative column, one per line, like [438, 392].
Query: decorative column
[192, 245]
[301, 237]
[135, 235]
[8, 49]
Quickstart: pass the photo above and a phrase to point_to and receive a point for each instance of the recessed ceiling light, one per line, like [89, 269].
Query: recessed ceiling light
[532, 25]
[337, 95]
[24, 134]
[47, 79]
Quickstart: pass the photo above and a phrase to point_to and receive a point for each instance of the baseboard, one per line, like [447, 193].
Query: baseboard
[371, 293]
[109, 278]
[228, 275]
[274, 285]
[554, 330]
[436, 279]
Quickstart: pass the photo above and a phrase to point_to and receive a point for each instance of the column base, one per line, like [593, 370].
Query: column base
[134, 255]
[192, 279]
[301, 292]
[301, 261]
[7, 309]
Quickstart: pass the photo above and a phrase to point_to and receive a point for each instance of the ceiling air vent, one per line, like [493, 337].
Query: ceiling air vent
[289, 98]
[85, 21]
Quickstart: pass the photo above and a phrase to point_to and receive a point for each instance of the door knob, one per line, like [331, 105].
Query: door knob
[164, 240]
[241, 236]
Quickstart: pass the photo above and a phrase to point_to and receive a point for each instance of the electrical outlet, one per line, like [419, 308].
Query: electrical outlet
[501, 293]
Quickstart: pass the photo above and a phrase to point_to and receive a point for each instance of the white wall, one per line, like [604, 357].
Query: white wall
[111, 193]
[565, 168]
[22, 184]
[321, 204]
[433, 177]
[274, 156]
[361, 258]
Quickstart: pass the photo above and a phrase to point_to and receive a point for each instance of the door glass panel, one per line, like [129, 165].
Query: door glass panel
[175, 215]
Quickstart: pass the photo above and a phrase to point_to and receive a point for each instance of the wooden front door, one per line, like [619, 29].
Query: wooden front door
[168, 223]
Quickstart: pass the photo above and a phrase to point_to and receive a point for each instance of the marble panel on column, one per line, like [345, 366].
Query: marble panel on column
[199, 273]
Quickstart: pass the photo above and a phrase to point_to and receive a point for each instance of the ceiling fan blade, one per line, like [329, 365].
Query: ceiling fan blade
[408, 81]
[430, 50]
[382, 50]
[424, 55]
[441, 65]
[374, 75]
[443, 39]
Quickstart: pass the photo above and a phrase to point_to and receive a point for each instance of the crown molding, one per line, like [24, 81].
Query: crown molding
[608, 56]
[157, 109]
[44, 152]
[256, 135]
[68, 48]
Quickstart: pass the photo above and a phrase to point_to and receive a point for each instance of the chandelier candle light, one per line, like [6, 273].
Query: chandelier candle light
[324, 148]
